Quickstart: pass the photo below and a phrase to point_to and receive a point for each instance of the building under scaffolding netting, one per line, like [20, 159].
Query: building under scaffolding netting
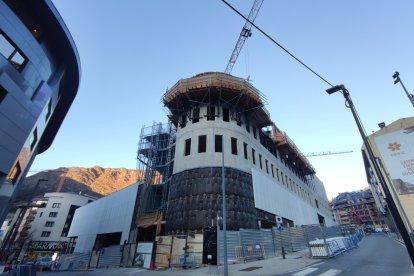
[155, 159]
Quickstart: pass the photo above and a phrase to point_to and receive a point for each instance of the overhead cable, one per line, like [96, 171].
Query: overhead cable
[278, 44]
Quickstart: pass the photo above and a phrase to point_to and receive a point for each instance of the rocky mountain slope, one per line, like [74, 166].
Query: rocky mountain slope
[95, 181]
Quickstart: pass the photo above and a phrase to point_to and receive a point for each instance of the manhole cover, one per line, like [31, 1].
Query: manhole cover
[251, 268]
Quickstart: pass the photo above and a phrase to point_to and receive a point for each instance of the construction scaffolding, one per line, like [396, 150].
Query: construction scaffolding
[155, 158]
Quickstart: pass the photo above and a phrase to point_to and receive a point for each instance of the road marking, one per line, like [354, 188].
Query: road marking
[331, 272]
[318, 263]
[306, 271]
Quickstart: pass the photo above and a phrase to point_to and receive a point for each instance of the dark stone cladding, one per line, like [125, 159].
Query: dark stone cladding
[195, 200]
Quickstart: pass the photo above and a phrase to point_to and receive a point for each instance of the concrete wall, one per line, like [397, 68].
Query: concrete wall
[109, 214]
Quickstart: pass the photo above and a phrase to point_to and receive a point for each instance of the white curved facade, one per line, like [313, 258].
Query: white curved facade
[294, 188]
[265, 176]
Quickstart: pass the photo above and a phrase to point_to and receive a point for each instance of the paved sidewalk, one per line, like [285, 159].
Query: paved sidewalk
[271, 266]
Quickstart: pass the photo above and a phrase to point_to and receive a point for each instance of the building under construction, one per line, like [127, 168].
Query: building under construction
[357, 209]
[215, 117]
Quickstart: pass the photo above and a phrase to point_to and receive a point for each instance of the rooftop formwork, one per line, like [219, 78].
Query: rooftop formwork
[215, 88]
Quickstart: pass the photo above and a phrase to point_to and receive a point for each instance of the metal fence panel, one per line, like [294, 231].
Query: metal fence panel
[298, 238]
[283, 239]
[233, 240]
[110, 257]
[266, 239]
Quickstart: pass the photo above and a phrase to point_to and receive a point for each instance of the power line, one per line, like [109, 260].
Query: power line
[278, 44]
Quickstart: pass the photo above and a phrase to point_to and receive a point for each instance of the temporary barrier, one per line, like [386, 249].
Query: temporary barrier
[331, 247]
[73, 261]
[187, 260]
[249, 252]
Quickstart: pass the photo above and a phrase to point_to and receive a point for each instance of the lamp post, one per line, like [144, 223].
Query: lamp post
[390, 201]
[397, 79]
[223, 190]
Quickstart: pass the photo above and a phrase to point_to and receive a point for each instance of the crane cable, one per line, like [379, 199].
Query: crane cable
[278, 44]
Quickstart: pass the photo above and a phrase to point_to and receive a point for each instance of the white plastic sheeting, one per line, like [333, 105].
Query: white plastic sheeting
[109, 214]
[272, 197]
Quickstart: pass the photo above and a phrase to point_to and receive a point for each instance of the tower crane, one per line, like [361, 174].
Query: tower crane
[327, 153]
[244, 34]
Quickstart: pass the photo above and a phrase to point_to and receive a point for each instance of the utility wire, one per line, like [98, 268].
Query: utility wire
[278, 44]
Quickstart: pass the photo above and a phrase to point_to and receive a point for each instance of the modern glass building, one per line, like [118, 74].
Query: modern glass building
[39, 79]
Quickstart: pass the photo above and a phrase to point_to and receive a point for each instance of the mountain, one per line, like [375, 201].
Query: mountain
[95, 181]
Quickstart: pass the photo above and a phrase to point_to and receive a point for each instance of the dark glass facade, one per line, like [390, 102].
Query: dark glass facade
[39, 79]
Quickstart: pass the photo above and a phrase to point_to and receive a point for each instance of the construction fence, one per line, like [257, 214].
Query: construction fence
[186, 251]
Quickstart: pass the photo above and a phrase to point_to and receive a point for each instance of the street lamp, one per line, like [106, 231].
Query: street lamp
[397, 79]
[223, 191]
[390, 201]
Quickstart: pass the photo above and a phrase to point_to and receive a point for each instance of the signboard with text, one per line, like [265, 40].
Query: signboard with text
[397, 154]
[47, 245]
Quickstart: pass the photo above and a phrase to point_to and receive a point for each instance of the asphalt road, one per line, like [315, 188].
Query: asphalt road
[377, 255]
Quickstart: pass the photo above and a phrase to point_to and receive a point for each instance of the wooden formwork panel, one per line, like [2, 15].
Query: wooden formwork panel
[162, 254]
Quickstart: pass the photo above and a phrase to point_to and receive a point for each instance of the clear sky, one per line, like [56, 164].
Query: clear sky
[132, 51]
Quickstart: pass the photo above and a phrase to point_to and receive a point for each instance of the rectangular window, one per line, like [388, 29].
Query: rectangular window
[283, 181]
[238, 120]
[187, 149]
[46, 234]
[183, 120]
[277, 174]
[211, 113]
[33, 139]
[248, 128]
[226, 115]
[49, 223]
[196, 115]
[260, 161]
[234, 146]
[254, 156]
[202, 143]
[3, 93]
[254, 133]
[316, 203]
[272, 168]
[267, 167]
[41, 214]
[245, 150]
[218, 142]
[53, 214]
[15, 173]
[56, 205]
[49, 109]
[11, 52]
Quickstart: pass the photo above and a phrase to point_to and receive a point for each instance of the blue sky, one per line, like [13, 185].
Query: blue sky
[132, 51]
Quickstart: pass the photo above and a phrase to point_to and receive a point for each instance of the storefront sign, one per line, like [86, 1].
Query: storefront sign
[47, 246]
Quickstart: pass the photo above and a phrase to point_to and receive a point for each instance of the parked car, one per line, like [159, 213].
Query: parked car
[44, 262]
